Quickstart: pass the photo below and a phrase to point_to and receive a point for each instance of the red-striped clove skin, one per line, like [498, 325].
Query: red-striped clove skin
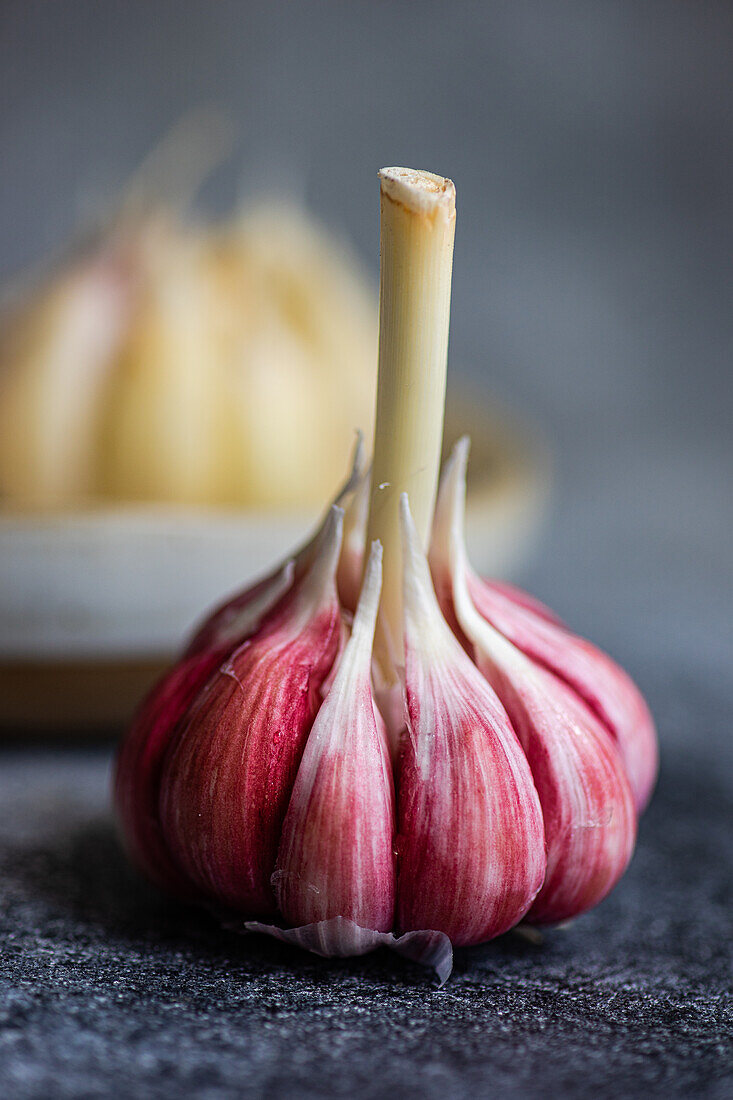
[606, 688]
[470, 843]
[140, 760]
[523, 599]
[139, 767]
[228, 777]
[587, 808]
[590, 822]
[336, 856]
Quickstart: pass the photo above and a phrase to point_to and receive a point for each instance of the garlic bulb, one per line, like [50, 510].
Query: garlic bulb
[420, 759]
[153, 366]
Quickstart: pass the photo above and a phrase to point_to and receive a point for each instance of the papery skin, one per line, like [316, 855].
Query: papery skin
[228, 777]
[339, 937]
[140, 759]
[470, 839]
[336, 855]
[157, 721]
[606, 689]
[587, 806]
[139, 766]
[522, 599]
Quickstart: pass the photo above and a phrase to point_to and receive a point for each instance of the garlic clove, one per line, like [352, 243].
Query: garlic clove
[239, 616]
[324, 301]
[273, 380]
[471, 848]
[227, 779]
[140, 761]
[607, 690]
[336, 854]
[587, 806]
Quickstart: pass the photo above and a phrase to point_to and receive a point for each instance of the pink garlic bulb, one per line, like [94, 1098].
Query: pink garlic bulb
[258, 774]
[379, 748]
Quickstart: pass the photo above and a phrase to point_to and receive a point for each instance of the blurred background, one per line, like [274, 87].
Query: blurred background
[591, 145]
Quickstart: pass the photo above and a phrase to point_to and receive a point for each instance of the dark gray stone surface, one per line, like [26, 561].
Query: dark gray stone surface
[107, 989]
[592, 148]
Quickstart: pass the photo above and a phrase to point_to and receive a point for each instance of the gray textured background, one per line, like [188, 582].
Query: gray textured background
[592, 148]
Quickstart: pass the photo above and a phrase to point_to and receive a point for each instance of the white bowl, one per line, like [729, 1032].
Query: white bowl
[93, 604]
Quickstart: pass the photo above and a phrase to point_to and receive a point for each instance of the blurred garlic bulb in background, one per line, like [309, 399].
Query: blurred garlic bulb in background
[303, 358]
[155, 366]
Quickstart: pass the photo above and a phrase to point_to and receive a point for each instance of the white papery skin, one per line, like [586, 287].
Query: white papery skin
[336, 855]
[470, 833]
[587, 804]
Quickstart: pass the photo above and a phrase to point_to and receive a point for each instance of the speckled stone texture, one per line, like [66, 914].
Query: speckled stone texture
[107, 989]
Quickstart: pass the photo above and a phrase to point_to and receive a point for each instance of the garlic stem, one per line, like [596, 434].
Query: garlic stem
[416, 243]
